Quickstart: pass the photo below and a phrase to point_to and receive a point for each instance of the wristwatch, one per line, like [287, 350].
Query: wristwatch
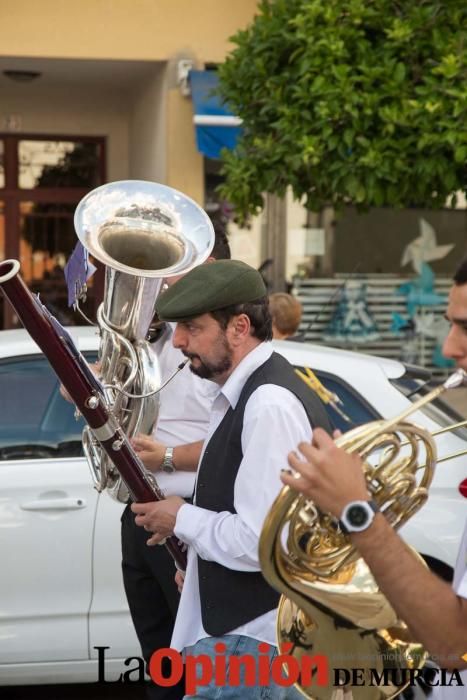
[357, 516]
[167, 463]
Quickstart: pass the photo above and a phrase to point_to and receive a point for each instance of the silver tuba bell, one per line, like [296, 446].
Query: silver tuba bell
[143, 232]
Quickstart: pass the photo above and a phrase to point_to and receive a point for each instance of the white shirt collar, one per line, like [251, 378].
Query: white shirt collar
[235, 383]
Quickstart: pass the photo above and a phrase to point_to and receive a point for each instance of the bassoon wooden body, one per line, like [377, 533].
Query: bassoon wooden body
[85, 390]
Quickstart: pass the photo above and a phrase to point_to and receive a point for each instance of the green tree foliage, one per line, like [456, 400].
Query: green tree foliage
[349, 101]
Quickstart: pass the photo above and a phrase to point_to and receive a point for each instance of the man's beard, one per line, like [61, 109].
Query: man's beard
[211, 370]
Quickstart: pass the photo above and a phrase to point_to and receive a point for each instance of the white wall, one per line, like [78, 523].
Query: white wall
[147, 128]
[245, 244]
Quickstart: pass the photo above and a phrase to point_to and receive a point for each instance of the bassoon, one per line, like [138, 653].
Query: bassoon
[85, 390]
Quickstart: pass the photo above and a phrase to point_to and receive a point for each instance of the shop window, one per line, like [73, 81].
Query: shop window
[58, 164]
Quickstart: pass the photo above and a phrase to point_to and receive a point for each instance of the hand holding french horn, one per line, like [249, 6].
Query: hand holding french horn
[326, 474]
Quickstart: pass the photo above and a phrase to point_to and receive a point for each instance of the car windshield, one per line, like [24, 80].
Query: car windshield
[446, 410]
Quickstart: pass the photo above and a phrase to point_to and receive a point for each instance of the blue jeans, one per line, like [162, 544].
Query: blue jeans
[235, 645]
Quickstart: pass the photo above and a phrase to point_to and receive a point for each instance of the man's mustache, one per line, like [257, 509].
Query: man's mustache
[191, 355]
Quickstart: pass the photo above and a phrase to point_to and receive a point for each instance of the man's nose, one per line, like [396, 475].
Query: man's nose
[452, 347]
[179, 337]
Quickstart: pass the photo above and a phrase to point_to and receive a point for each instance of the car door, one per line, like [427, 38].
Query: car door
[47, 511]
[110, 623]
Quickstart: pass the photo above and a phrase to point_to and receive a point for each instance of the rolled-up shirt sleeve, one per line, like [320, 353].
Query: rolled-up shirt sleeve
[274, 423]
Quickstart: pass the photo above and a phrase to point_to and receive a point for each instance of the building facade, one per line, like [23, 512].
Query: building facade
[93, 92]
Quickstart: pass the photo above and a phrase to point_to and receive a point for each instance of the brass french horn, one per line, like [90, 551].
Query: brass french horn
[331, 605]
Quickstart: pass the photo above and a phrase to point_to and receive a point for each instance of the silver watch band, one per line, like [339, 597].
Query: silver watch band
[167, 463]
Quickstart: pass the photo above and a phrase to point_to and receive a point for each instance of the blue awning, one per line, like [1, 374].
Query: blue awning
[216, 127]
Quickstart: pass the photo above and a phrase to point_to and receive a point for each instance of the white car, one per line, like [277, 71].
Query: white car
[61, 592]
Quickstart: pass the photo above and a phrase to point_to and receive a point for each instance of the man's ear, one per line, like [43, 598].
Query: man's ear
[240, 327]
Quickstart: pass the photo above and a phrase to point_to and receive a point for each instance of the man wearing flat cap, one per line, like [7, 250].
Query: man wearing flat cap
[260, 412]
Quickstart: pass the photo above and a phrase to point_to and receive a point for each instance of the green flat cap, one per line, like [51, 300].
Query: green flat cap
[210, 287]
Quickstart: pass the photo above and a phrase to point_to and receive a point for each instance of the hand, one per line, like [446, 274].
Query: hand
[158, 517]
[330, 477]
[95, 368]
[149, 451]
[65, 395]
[179, 580]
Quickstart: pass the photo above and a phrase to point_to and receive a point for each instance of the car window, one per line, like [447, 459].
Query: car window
[35, 421]
[351, 408]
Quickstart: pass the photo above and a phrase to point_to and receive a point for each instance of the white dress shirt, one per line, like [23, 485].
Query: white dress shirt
[459, 584]
[185, 406]
[274, 423]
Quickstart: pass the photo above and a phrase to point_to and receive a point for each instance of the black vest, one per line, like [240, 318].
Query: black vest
[231, 598]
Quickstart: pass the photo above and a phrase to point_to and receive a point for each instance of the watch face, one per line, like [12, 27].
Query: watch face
[357, 515]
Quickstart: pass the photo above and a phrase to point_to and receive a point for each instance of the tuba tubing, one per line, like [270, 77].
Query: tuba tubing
[86, 392]
[143, 232]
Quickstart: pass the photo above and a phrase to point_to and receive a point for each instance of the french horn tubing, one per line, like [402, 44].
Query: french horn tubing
[330, 603]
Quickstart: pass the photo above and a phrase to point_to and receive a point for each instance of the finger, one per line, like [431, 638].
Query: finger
[312, 452]
[141, 521]
[140, 443]
[64, 393]
[297, 483]
[303, 447]
[143, 454]
[307, 451]
[336, 434]
[139, 508]
[293, 476]
[179, 581]
[313, 459]
[156, 539]
[297, 463]
[144, 439]
[321, 439]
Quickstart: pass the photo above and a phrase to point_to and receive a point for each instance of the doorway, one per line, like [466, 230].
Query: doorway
[42, 179]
